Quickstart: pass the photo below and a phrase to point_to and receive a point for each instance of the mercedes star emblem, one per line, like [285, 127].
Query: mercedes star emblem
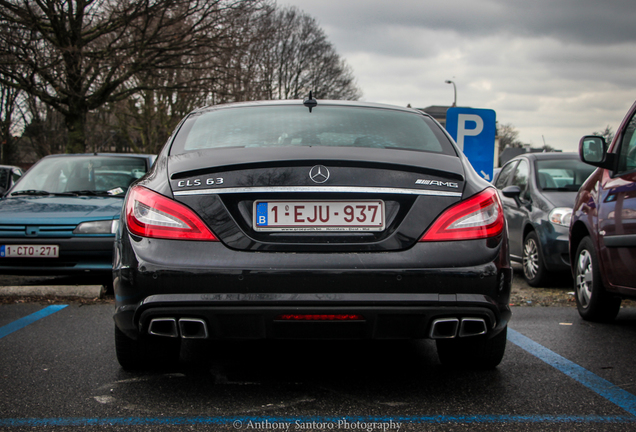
[319, 174]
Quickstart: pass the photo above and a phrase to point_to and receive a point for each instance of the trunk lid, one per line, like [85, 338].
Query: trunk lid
[224, 187]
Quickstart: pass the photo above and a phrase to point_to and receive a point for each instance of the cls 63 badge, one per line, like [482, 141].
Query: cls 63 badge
[198, 182]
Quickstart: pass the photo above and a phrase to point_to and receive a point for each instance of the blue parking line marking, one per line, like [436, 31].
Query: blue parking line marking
[30, 319]
[258, 422]
[602, 387]
[609, 391]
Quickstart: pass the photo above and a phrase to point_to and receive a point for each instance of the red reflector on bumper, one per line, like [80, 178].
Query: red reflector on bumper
[306, 317]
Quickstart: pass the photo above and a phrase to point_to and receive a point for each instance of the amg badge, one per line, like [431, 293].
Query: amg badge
[436, 183]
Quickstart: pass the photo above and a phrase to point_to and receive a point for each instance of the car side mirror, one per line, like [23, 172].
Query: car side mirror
[514, 192]
[511, 192]
[593, 151]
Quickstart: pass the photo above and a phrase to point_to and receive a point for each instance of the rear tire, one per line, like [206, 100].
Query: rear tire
[592, 301]
[146, 353]
[476, 352]
[533, 267]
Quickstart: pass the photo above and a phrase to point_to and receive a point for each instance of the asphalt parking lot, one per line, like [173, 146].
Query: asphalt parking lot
[58, 369]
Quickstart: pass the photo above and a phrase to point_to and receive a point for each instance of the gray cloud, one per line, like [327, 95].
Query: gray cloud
[584, 21]
[554, 69]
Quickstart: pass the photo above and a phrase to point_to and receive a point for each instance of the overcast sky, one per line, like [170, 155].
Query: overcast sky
[555, 69]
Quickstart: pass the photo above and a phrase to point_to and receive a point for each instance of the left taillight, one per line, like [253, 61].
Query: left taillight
[149, 214]
[480, 216]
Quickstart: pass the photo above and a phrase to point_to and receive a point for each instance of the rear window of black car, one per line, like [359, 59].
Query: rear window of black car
[337, 126]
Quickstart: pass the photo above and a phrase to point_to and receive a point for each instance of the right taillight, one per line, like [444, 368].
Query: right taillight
[149, 214]
[480, 216]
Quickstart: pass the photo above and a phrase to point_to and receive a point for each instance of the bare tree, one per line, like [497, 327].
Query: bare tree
[77, 55]
[245, 69]
[547, 148]
[44, 130]
[508, 136]
[606, 133]
[146, 120]
[304, 60]
[9, 98]
[283, 54]
[260, 40]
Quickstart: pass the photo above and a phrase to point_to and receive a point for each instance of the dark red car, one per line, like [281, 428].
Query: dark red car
[603, 227]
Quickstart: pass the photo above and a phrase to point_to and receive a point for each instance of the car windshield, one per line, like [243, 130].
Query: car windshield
[566, 175]
[337, 126]
[85, 175]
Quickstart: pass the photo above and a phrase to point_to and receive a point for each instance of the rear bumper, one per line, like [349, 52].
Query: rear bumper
[240, 295]
[381, 316]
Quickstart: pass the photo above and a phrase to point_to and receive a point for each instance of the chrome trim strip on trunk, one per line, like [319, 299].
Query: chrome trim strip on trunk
[314, 189]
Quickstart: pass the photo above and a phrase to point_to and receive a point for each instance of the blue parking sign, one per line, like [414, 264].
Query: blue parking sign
[474, 132]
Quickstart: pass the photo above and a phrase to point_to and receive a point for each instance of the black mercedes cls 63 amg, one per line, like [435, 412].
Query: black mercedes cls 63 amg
[311, 219]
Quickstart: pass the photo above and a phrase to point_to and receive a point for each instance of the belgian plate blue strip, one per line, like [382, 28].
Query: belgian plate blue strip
[30, 319]
[309, 423]
[601, 386]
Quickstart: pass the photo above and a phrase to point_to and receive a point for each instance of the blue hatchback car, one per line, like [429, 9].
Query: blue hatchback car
[61, 216]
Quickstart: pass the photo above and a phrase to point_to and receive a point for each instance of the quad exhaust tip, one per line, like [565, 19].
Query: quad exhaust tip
[166, 327]
[196, 328]
[448, 328]
[186, 328]
[193, 328]
[444, 328]
[472, 327]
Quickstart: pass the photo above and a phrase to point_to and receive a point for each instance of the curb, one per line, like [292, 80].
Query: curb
[84, 291]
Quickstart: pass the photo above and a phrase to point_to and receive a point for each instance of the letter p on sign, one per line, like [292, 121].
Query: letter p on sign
[465, 120]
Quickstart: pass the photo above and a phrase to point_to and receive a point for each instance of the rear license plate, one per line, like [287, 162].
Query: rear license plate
[319, 215]
[29, 251]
